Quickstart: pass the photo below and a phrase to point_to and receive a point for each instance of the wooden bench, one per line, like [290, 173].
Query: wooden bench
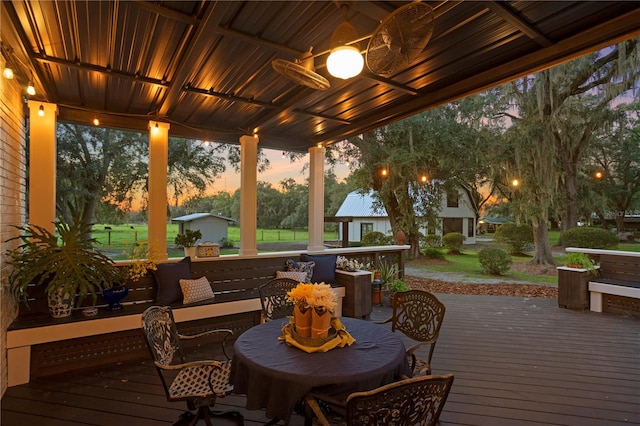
[39, 345]
[616, 288]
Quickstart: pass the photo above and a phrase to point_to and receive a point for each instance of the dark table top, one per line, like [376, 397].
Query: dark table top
[276, 376]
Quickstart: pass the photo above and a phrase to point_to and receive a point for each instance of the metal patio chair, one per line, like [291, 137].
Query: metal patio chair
[419, 315]
[274, 299]
[198, 383]
[414, 401]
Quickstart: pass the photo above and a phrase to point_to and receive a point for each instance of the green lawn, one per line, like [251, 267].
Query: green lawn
[120, 240]
[469, 265]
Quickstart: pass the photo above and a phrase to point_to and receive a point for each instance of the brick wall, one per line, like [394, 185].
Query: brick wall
[12, 196]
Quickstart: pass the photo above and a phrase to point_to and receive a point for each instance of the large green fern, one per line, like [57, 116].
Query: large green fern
[67, 261]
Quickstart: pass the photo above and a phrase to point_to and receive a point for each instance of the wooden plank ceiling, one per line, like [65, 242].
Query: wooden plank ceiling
[205, 66]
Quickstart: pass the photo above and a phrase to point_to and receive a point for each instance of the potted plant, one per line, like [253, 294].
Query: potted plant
[573, 281]
[580, 261]
[67, 263]
[188, 241]
[396, 286]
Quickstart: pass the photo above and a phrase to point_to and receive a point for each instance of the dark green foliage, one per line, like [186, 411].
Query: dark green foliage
[580, 260]
[68, 262]
[433, 253]
[398, 285]
[226, 243]
[453, 242]
[586, 237]
[514, 236]
[376, 238]
[188, 239]
[494, 261]
[431, 240]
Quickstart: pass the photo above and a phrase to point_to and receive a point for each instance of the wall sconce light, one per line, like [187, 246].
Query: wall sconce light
[424, 178]
[345, 60]
[41, 110]
[96, 122]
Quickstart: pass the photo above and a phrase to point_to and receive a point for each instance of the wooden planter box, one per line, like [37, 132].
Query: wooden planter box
[573, 288]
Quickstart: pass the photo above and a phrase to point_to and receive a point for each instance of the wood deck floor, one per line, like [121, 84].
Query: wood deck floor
[516, 362]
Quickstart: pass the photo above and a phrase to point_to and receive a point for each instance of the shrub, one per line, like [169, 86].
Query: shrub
[433, 253]
[453, 242]
[584, 236]
[514, 236]
[431, 240]
[226, 243]
[375, 238]
[494, 261]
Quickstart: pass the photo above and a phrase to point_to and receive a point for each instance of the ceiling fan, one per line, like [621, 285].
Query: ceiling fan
[302, 71]
[395, 44]
[400, 39]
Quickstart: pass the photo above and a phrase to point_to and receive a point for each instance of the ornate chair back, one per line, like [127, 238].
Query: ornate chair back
[274, 299]
[419, 315]
[161, 334]
[415, 401]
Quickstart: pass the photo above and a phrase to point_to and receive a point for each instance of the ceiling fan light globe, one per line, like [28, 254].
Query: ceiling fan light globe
[345, 62]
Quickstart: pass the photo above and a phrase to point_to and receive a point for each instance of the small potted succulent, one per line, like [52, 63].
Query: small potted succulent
[188, 241]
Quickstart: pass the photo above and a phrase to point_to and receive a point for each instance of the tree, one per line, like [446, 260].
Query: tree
[449, 146]
[103, 165]
[557, 112]
[97, 164]
[616, 155]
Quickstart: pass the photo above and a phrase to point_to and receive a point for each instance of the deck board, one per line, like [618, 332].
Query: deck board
[516, 361]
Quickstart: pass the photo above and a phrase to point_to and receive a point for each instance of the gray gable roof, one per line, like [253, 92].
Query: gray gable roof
[196, 216]
[358, 204]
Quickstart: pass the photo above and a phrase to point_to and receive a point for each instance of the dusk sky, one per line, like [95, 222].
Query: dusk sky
[281, 168]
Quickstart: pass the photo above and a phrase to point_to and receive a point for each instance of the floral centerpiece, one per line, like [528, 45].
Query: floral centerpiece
[314, 305]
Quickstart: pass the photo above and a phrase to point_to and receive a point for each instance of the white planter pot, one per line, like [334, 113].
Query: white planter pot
[60, 305]
[190, 251]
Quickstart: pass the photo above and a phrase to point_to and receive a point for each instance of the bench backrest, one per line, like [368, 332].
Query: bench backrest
[616, 267]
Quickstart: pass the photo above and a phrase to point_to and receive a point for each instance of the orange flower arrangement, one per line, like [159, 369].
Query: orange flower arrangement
[319, 296]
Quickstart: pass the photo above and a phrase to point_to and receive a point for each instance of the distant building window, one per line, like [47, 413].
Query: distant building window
[365, 228]
[452, 199]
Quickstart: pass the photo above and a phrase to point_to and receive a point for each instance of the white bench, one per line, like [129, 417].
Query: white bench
[618, 276]
[596, 289]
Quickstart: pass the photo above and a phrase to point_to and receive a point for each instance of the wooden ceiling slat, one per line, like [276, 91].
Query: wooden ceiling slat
[206, 66]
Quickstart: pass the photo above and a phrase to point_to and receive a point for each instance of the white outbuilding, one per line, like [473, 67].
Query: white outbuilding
[456, 214]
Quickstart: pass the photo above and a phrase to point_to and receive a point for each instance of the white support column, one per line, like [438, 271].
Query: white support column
[248, 195]
[158, 164]
[316, 198]
[42, 164]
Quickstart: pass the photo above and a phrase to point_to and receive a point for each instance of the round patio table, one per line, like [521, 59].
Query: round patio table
[275, 376]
